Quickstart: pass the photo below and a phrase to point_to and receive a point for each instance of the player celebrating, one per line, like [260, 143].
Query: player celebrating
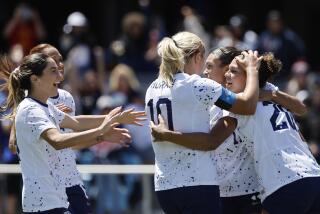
[37, 125]
[182, 183]
[282, 155]
[237, 179]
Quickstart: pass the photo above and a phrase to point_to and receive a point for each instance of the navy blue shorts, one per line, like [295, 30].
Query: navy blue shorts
[54, 211]
[79, 202]
[190, 200]
[244, 204]
[299, 197]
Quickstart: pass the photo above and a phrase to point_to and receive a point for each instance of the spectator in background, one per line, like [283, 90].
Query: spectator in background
[117, 194]
[89, 92]
[192, 23]
[283, 42]
[243, 38]
[313, 119]
[12, 181]
[132, 45]
[123, 80]
[24, 28]
[299, 78]
[76, 43]
[222, 37]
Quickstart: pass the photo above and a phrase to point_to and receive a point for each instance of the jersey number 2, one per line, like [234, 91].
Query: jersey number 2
[275, 115]
[161, 102]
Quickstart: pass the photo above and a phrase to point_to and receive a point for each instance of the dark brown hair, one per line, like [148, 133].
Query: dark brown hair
[269, 67]
[17, 81]
[226, 54]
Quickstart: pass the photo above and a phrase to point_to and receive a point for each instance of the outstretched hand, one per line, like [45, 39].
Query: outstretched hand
[157, 131]
[131, 117]
[117, 135]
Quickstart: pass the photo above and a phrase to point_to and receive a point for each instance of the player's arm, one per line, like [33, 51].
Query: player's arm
[106, 131]
[12, 139]
[85, 122]
[289, 102]
[197, 140]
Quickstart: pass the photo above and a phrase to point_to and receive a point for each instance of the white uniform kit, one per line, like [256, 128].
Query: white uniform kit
[69, 174]
[185, 107]
[38, 159]
[281, 157]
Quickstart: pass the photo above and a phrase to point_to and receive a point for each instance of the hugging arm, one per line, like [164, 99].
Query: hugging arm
[289, 102]
[196, 140]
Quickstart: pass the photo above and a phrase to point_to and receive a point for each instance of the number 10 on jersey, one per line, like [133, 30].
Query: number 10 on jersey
[158, 107]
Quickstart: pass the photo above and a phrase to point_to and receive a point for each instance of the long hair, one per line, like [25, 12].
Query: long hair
[175, 52]
[17, 81]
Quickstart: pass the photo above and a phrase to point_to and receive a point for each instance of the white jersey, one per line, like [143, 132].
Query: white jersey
[69, 173]
[280, 155]
[235, 165]
[38, 159]
[185, 106]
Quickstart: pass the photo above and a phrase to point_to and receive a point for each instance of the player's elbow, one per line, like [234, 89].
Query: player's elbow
[56, 143]
[302, 111]
[250, 110]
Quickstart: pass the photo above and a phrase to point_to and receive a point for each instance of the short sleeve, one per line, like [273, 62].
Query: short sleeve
[70, 102]
[207, 91]
[245, 124]
[270, 87]
[38, 121]
[57, 114]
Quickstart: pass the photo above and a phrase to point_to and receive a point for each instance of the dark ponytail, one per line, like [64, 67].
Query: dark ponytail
[17, 81]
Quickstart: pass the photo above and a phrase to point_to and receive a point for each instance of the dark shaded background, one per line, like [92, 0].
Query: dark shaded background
[105, 16]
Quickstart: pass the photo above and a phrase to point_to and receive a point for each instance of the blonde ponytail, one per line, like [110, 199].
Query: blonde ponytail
[172, 59]
[176, 52]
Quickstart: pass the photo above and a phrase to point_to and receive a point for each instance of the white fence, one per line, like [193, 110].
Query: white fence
[145, 170]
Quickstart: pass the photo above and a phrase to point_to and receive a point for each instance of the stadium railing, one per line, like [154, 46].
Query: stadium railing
[144, 170]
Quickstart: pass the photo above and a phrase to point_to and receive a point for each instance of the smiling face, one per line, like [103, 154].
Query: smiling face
[214, 69]
[49, 81]
[235, 78]
[56, 56]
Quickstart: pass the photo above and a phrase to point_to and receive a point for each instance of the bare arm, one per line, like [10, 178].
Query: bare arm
[85, 122]
[12, 139]
[246, 102]
[84, 138]
[113, 136]
[197, 140]
[289, 102]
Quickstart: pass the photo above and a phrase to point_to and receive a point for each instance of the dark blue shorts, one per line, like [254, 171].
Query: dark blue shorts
[54, 211]
[299, 197]
[244, 204]
[79, 202]
[190, 200]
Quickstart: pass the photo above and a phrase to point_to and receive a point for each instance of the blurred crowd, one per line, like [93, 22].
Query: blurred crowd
[102, 78]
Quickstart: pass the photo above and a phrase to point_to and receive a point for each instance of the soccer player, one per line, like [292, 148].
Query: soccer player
[237, 179]
[37, 124]
[70, 175]
[287, 171]
[185, 180]
[282, 168]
